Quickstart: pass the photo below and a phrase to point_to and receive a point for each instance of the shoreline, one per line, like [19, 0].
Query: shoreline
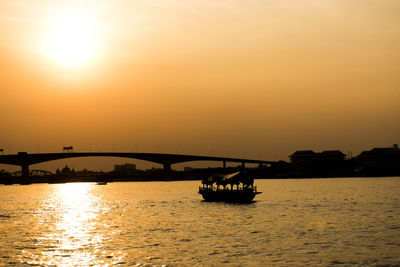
[36, 180]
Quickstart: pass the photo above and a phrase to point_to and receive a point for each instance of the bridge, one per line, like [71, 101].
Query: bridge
[24, 159]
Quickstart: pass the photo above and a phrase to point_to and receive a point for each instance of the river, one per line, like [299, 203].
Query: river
[304, 222]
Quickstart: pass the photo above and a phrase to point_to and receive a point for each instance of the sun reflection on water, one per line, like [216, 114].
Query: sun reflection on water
[78, 206]
[74, 241]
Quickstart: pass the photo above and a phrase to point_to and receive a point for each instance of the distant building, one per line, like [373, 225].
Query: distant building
[125, 168]
[302, 157]
[66, 172]
[310, 163]
[332, 156]
[85, 173]
[379, 161]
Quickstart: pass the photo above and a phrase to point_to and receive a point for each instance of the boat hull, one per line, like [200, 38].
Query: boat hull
[226, 195]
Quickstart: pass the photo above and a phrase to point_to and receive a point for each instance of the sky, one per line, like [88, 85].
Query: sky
[253, 79]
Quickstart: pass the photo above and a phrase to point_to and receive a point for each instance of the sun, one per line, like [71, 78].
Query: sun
[70, 40]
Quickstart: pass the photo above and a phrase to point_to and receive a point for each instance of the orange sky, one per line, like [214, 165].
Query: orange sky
[257, 79]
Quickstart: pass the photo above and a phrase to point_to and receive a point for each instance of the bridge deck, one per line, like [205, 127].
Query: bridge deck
[24, 159]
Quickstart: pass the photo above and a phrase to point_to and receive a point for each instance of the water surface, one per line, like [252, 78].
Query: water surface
[326, 222]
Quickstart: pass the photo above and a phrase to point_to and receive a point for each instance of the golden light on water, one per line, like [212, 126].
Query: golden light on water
[74, 230]
[75, 241]
[78, 208]
[294, 222]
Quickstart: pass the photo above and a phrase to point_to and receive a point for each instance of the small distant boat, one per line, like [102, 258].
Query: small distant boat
[101, 183]
[244, 192]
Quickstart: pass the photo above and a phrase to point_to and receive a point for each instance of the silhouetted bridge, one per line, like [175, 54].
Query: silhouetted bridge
[24, 159]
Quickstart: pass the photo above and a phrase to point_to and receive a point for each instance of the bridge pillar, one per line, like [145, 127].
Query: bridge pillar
[25, 170]
[224, 164]
[243, 165]
[167, 167]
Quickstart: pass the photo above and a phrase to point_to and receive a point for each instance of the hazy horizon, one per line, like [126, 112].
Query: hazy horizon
[258, 79]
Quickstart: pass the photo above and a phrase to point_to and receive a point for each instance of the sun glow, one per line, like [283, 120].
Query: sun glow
[71, 38]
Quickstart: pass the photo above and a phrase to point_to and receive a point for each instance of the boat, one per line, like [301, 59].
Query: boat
[244, 192]
[101, 183]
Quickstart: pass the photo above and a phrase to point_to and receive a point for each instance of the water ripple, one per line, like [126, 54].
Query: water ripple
[293, 223]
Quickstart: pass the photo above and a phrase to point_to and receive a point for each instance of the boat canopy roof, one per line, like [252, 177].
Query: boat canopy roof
[224, 178]
[229, 176]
